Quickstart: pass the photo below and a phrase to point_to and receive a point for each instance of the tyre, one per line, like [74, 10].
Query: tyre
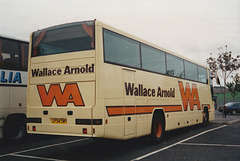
[14, 128]
[205, 117]
[157, 131]
[234, 112]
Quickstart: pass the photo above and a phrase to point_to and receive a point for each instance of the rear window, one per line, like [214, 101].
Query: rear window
[64, 38]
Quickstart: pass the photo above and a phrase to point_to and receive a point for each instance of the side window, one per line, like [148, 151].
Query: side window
[175, 66]
[202, 74]
[121, 50]
[238, 104]
[191, 71]
[9, 56]
[153, 59]
[124, 51]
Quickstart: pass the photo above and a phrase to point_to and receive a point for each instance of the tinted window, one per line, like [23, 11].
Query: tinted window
[121, 50]
[202, 74]
[153, 59]
[175, 66]
[191, 71]
[63, 38]
[10, 54]
[238, 105]
[13, 54]
[124, 51]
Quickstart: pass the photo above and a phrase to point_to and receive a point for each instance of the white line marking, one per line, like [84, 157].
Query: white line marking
[48, 146]
[159, 150]
[219, 145]
[33, 157]
[43, 147]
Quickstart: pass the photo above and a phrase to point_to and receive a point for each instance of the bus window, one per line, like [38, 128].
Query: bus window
[9, 54]
[175, 66]
[153, 59]
[202, 74]
[64, 38]
[191, 71]
[121, 50]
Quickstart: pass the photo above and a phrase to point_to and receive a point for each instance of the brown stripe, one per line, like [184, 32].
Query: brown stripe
[112, 111]
[116, 110]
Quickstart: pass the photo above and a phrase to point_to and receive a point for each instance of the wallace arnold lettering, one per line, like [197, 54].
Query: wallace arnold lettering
[67, 70]
[140, 90]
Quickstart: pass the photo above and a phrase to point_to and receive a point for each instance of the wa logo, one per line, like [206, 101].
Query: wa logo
[189, 96]
[70, 94]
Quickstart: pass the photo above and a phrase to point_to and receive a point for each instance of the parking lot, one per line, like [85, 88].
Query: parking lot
[219, 140]
[220, 143]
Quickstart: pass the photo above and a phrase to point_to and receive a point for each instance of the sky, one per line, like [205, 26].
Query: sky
[192, 28]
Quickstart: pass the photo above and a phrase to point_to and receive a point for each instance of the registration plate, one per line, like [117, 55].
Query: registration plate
[59, 120]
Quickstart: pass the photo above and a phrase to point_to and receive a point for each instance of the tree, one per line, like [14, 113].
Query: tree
[234, 86]
[223, 66]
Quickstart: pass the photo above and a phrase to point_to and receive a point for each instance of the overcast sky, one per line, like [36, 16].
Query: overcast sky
[193, 28]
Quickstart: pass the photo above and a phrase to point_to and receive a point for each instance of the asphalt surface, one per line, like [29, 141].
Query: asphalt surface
[230, 119]
[220, 140]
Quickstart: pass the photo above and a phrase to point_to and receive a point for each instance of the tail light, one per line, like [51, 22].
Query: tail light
[84, 130]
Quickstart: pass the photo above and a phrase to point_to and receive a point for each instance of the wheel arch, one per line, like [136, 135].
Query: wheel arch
[17, 116]
[206, 110]
[161, 112]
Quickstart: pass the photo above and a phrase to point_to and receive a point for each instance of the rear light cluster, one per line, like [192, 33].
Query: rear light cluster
[34, 120]
[88, 122]
[33, 128]
[85, 130]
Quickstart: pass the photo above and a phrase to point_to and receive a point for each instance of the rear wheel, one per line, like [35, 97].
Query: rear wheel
[205, 117]
[157, 128]
[14, 128]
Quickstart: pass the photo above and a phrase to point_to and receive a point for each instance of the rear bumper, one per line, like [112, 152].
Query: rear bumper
[73, 130]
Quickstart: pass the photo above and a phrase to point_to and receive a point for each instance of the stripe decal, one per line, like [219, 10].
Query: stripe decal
[130, 110]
